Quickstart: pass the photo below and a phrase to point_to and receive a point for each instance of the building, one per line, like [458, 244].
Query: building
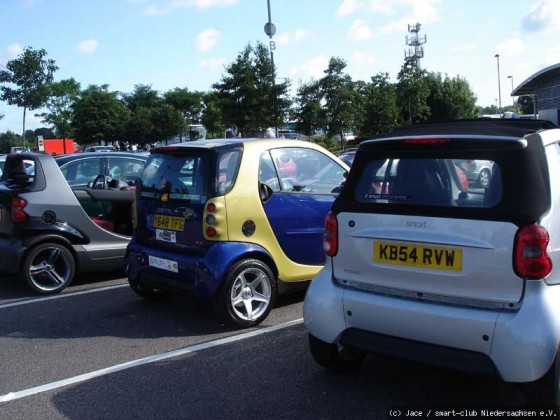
[544, 86]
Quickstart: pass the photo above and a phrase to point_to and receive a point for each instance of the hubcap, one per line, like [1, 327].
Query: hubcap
[250, 294]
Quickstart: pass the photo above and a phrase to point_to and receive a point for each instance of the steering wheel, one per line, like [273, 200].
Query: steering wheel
[99, 183]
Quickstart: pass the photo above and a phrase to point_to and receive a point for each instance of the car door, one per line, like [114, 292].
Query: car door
[304, 184]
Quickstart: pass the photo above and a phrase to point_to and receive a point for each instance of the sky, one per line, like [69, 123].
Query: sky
[167, 44]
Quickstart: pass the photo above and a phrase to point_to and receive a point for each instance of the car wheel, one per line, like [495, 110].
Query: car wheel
[48, 268]
[335, 356]
[247, 294]
[484, 178]
[546, 390]
[147, 293]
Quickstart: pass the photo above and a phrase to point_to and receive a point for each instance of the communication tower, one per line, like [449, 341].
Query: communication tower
[415, 43]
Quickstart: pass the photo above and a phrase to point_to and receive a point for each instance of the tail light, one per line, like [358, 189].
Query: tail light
[330, 235]
[530, 259]
[214, 220]
[17, 212]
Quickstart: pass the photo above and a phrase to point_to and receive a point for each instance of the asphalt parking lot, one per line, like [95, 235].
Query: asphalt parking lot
[97, 351]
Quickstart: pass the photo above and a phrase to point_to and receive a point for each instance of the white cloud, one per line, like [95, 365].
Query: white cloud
[212, 64]
[544, 16]
[87, 47]
[14, 50]
[348, 7]
[165, 7]
[363, 57]
[359, 31]
[510, 47]
[314, 68]
[207, 39]
[292, 38]
[469, 46]
[552, 56]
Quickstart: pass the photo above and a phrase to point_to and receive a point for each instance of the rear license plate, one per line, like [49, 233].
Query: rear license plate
[412, 255]
[162, 221]
[163, 264]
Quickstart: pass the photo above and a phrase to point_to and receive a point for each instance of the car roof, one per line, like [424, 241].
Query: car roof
[517, 128]
[233, 142]
[61, 159]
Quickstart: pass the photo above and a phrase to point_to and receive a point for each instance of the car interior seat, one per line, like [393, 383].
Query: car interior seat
[419, 181]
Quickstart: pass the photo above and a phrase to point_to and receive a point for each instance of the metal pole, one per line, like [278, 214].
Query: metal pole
[499, 88]
[270, 35]
[512, 97]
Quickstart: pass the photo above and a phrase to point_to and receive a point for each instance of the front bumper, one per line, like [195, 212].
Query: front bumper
[520, 345]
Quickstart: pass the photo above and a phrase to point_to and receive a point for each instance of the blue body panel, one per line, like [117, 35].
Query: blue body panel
[200, 274]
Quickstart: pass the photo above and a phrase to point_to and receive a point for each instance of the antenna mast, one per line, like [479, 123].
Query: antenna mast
[415, 43]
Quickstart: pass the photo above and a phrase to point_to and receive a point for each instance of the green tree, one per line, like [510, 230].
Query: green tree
[142, 96]
[31, 73]
[99, 115]
[190, 104]
[450, 98]
[340, 98]
[526, 105]
[307, 108]
[212, 117]
[381, 111]
[248, 93]
[62, 96]
[9, 139]
[413, 92]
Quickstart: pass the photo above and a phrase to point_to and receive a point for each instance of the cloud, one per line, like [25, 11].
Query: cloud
[206, 40]
[14, 50]
[363, 57]
[469, 46]
[544, 16]
[87, 47]
[212, 64]
[314, 68]
[291, 38]
[510, 47]
[348, 7]
[359, 31]
[165, 7]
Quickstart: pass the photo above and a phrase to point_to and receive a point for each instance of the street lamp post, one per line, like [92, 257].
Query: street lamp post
[270, 30]
[512, 97]
[499, 88]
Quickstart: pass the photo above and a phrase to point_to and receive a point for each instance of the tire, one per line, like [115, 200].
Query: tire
[335, 356]
[484, 178]
[147, 293]
[545, 392]
[247, 294]
[48, 268]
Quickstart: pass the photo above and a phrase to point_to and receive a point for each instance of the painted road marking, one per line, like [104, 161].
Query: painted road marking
[145, 360]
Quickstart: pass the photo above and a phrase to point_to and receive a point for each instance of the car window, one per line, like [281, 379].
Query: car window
[267, 172]
[175, 177]
[124, 168]
[441, 182]
[228, 163]
[307, 170]
[80, 172]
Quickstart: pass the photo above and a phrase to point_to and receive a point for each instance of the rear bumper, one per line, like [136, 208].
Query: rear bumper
[11, 253]
[201, 275]
[518, 345]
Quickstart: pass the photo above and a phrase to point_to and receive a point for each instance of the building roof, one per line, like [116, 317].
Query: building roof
[529, 86]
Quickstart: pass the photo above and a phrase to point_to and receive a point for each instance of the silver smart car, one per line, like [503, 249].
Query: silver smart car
[424, 268]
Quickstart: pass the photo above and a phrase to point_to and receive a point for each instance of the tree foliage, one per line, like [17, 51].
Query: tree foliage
[381, 112]
[413, 92]
[62, 96]
[248, 93]
[99, 115]
[31, 74]
[308, 111]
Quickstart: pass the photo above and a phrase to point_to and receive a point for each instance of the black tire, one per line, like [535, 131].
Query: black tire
[147, 293]
[335, 356]
[48, 268]
[484, 178]
[247, 294]
[545, 392]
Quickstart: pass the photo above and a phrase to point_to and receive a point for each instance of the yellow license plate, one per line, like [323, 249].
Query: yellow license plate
[162, 221]
[412, 255]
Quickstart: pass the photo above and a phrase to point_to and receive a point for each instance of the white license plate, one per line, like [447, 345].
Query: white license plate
[163, 264]
[166, 235]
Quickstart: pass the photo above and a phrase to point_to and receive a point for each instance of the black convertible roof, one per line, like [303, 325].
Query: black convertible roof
[509, 127]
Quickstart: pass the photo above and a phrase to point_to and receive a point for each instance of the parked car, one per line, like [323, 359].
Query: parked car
[49, 230]
[478, 171]
[347, 155]
[432, 272]
[232, 221]
[81, 168]
[96, 149]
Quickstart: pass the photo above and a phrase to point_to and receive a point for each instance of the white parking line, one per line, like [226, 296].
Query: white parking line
[151, 359]
[60, 296]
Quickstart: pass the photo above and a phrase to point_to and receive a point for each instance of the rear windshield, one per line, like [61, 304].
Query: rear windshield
[175, 177]
[440, 182]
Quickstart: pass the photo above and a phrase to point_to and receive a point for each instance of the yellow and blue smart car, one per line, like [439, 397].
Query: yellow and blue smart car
[234, 221]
